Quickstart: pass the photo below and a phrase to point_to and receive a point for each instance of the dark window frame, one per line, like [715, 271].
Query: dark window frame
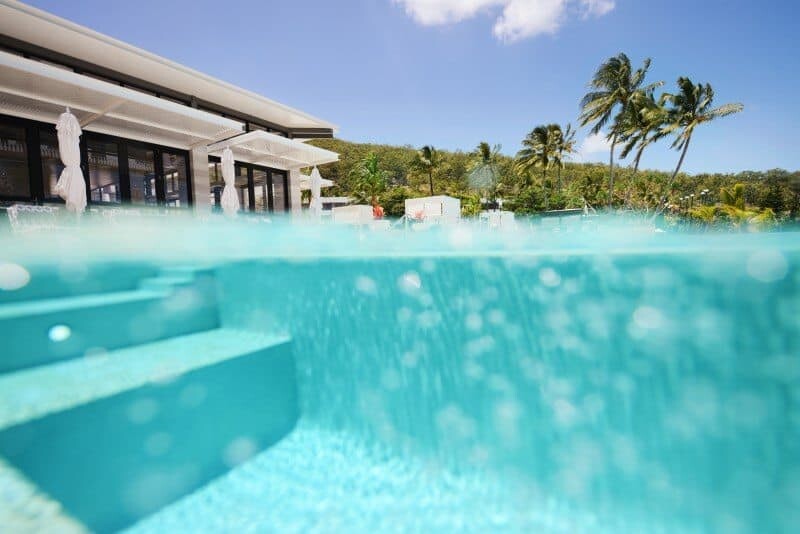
[36, 176]
[270, 171]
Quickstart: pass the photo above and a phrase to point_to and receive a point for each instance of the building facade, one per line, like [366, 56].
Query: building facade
[153, 130]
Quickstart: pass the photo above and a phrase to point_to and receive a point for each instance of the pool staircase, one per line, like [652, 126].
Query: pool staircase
[116, 403]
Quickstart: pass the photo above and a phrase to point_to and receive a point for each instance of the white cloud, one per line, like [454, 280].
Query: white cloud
[592, 146]
[516, 19]
[438, 12]
[596, 8]
[526, 18]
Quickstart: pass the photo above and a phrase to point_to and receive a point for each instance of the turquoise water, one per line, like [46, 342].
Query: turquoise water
[587, 378]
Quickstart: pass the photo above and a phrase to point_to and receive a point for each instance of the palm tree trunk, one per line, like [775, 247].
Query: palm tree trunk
[638, 158]
[430, 181]
[674, 174]
[680, 161]
[611, 171]
[544, 189]
[559, 179]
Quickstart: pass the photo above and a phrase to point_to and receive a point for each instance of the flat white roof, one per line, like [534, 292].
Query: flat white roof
[42, 29]
[270, 150]
[39, 91]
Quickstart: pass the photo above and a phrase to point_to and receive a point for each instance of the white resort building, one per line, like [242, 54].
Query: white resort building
[153, 130]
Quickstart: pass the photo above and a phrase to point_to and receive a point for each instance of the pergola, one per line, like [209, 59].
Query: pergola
[271, 150]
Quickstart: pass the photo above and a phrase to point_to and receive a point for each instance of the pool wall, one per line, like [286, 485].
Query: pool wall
[664, 384]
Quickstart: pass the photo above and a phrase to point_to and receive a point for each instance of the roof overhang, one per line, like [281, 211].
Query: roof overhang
[39, 91]
[37, 32]
[305, 183]
[270, 150]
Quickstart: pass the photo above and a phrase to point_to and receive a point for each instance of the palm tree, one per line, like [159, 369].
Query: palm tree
[563, 146]
[733, 197]
[427, 160]
[612, 87]
[535, 152]
[641, 125]
[690, 108]
[538, 151]
[484, 171]
[370, 179]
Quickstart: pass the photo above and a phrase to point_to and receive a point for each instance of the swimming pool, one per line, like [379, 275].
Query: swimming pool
[274, 377]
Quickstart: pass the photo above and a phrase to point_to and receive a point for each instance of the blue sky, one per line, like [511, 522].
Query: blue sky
[453, 73]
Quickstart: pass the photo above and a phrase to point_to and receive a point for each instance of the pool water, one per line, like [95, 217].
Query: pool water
[597, 378]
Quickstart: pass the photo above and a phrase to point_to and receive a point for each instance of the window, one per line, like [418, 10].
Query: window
[261, 189]
[279, 191]
[14, 177]
[51, 162]
[142, 172]
[216, 182]
[103, 171]
[176, 182]
[242, 187]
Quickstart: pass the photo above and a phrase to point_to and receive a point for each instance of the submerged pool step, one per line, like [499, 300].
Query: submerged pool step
[47, 282]
[44, 331]
[115, 437]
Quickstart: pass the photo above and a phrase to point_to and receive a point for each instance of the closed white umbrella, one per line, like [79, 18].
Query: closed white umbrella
[316, 192]
[229, 200]
[71, 185]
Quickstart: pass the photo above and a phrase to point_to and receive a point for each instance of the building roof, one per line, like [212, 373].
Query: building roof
[38, 91]
[24, 24]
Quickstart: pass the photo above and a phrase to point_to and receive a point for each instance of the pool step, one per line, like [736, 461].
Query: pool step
[44, 331]
[117, 436]
[47, 282]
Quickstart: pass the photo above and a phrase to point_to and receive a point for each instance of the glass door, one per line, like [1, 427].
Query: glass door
[104, 170]
[142, 171]
[175, 180]
[280, 197]
[242, 182]
[261, 190]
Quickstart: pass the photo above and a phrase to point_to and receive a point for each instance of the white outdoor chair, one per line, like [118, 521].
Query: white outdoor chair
[25, 218]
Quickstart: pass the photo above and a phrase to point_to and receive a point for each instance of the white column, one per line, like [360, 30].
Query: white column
[201, 183]
[294, 191]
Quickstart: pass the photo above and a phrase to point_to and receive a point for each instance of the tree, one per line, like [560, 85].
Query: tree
[612, 86]
[733, 196]
[689, 108]
[370, 179]
[641, 125]
[563, 146]
[427, 160]
[535, 153]
[484, 169]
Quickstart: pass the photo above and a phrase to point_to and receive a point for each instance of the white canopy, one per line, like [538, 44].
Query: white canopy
[229, 200]
[316, 193]
[40, 91]
[71, 185]
[305, 182]
[271, 150]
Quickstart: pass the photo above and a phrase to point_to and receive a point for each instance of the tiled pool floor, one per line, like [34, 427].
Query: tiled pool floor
[321, 481]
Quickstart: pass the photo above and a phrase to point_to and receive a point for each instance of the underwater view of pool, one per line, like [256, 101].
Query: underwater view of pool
[225, 376]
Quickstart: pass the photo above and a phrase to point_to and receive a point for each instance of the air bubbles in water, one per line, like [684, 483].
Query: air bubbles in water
[366, 285]
[410, 282]
[239, 450]
[142, 411]
[193, 395]
[767, 266]
[59, 333]
[549, 277]
[13, 276]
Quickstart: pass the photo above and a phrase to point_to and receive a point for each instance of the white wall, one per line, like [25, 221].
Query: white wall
[294, 191]
[201, 184]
